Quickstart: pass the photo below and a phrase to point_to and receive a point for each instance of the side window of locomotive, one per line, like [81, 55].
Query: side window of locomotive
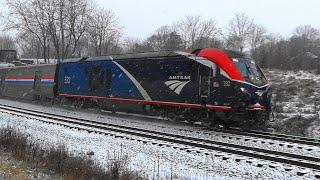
[97, 76]
[192, 67]
[102, 78]
[90, 79]
[217, 72]
[214, 70]
[160, 64]
[175, 67]
[108, 78]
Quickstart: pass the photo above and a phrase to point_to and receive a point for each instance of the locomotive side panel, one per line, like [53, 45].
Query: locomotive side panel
[163, 79]
[167, 79]
[96, 80]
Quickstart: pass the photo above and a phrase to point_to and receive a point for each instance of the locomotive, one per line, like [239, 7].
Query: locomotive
[211, 85]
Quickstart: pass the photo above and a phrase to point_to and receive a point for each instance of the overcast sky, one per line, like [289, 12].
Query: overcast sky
[141, 17]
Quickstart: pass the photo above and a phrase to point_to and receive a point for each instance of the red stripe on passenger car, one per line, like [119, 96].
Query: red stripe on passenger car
[46, 76]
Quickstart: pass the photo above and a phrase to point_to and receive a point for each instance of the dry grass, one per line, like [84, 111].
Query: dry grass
[296, 125]
[58, 160]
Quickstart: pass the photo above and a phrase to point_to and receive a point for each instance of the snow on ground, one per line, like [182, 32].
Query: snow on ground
[296, 102]
[171, 127]
[302, 75]
[146, 158]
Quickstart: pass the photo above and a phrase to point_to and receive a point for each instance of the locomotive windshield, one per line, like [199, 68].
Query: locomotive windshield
[250, 71]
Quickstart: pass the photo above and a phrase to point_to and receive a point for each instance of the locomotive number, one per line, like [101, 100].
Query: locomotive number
[67, 79]
[226, 83]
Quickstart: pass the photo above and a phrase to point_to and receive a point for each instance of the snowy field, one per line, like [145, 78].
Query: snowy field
[151, 160]
[296, 102]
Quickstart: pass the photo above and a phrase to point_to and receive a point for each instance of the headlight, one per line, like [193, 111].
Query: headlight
[245, 91]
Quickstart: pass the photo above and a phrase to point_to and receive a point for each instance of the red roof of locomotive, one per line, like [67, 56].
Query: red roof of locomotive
[220, 58]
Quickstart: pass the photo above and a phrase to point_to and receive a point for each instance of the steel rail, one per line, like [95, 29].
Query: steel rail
[273, 136]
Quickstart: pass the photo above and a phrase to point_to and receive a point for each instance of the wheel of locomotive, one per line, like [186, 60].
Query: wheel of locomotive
[163, 112]
[191, 116]
[173, 114]
[78, 104]
[206, 117]
[211, 120]
[256, 120]
[66, 102]
[226, 121]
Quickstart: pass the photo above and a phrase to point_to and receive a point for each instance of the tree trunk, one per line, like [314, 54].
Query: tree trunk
[62, 30]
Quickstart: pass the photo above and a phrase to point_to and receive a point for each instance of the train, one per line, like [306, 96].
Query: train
[215, 86]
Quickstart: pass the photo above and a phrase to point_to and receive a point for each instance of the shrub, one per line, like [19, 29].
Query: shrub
[59, 160]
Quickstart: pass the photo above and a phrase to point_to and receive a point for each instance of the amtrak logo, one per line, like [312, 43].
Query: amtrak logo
[176, 85]
[259, 93]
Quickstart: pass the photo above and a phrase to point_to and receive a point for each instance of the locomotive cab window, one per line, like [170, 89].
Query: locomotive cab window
[250, 71]
[107, 75]
[214, 70]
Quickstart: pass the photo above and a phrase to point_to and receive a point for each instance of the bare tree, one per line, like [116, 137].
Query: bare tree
[307, 31]
[257, 36]
[129, 44]
[191, 32]
[300, 51]
[104, 31]
[193, 29]
[165, 38]
[29, 46]
[68, 23]
[239, 30]
[7, 43]
[132, 45]
[29, 18]
[59, 23]
[272, 53]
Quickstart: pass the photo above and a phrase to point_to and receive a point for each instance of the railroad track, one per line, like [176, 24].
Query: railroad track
[94, 126]
[236, 131]
[252, 133]
[273, 136]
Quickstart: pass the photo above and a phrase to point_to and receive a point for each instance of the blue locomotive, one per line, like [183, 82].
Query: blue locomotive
[208, 84]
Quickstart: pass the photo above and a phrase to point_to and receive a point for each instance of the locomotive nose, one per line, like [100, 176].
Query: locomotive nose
[261, 99]
[254, 98]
